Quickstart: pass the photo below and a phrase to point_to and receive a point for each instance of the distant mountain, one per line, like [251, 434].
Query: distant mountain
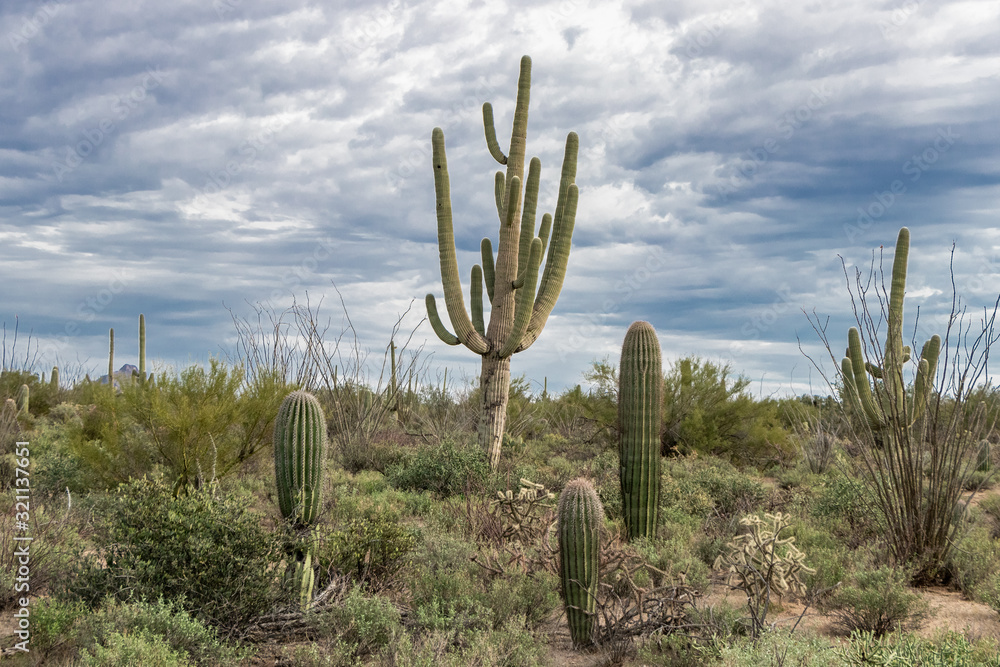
[125, 371]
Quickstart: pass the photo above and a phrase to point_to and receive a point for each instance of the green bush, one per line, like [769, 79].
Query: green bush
[878, 601]
[371, 548]
[135, 648]
[947, 649]
[357, 627]
[706, 411]
[211, 554]
[445, 469]
[197, 426]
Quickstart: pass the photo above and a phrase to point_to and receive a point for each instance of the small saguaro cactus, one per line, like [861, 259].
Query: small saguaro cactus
[580, 516]
[24, 399]
[142, 349]
[888, 408]
[299, 452]
[640, 406]
[517, 312]
[54, 380]
[984, 458]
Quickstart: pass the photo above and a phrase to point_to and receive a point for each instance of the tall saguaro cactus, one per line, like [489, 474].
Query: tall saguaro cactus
[640, 406]
[520, 304]
[890, 408]
[580, 516]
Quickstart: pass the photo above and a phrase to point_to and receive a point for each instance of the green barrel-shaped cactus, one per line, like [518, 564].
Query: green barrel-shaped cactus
[579, 525]
[640, 405]
[299, 451]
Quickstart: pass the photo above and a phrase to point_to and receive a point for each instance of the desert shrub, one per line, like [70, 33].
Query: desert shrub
[445, 469]
[211, 553]
[878, 601]
[776, 647]
[706, 411]
[357, 627]
[54, 542]
[371, 548]
[974, 560]
[56, 629]
[197, 426]
[134, 648]
[945, 649]
[849, 510]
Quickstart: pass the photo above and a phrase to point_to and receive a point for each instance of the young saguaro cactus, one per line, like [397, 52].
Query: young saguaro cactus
[580, 516]
[890, 407]
[520, 304]
[640, 406]
[299, 452]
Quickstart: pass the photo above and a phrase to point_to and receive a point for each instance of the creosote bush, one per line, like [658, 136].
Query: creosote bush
[208, 551]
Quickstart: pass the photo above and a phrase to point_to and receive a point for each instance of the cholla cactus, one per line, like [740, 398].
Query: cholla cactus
[579, 526]
[760, 562]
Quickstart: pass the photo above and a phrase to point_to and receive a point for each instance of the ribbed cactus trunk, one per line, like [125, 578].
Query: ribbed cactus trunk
[580, 516]
[640, 406]
[495, 386]
[299, 453]
[299, 450]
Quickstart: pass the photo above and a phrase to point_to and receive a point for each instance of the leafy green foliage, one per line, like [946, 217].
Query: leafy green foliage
[878, 601]
[444, 469]
[198, 426]
[371, 548]
[211, 553]
[707, 411]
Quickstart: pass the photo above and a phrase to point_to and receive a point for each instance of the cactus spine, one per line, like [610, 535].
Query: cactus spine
[580, 516]
[888, 407]
[299, 448]
[640, 405]
[518, 313]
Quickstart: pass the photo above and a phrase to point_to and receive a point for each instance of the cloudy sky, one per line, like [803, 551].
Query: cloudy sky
[181, 159]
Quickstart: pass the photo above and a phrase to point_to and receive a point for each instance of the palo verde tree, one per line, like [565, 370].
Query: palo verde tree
[520, 304]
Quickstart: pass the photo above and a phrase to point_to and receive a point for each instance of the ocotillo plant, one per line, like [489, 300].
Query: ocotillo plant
[580, 516]
[888, 408]
[299, 451]
[640, 406]
[519, 308]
